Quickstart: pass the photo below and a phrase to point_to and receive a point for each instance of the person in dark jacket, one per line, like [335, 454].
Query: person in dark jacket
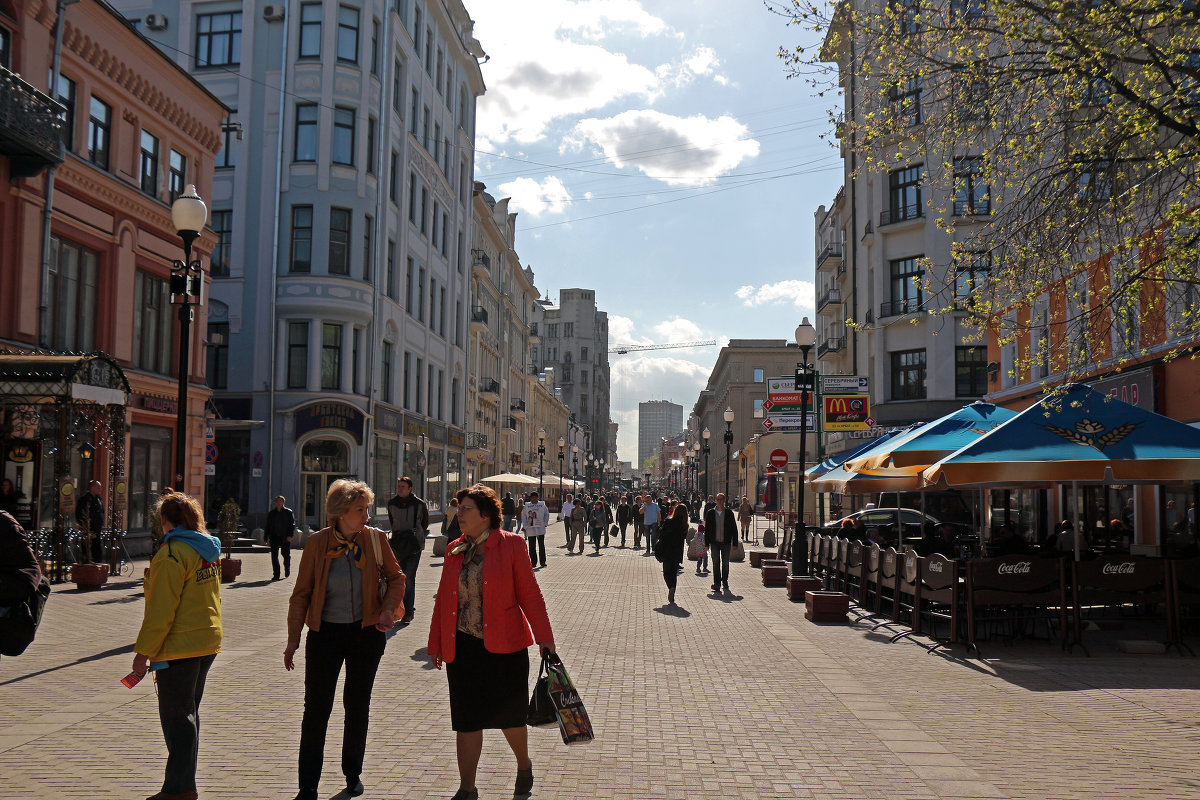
[598, 521]
[89, 514]
[409, 518]
[624, 515]
[20, 573]
[508, 507]
[720, 532]
[281, 524]
[671, 537]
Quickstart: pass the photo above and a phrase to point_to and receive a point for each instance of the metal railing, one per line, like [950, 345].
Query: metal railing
[901, 214]
[517, 405]
[833, 344]
[905, 305]
[833, 250]
[834, 295]
[489, 385]
[479, 314]
[477, 441]
[31, 124]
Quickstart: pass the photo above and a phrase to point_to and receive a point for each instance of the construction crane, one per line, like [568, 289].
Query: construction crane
[623, 349]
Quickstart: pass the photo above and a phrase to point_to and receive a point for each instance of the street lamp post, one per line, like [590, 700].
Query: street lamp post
[575, 466]
[190, 215]
[806, 336]
[646, 484]
[541, 456]
[706, 436]
[728, 416]
[696, 466]
[561, 444]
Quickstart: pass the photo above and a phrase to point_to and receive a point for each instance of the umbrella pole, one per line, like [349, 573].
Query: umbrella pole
[1075, 515]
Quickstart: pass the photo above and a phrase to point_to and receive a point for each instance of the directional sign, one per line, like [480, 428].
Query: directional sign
[844, 384]
[789, 422]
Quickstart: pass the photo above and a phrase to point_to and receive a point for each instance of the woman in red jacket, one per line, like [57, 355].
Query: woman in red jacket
[486, 602]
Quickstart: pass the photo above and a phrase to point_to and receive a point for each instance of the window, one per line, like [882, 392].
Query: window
[970, 12]
[454, 402]
[1096, 92]
[218, 355]
[66, 96]
[412, 198]
[306, 133]
[568, 330]
[1126, 303]
[297, 362]
[583, 354]
[904, 194]
[355, 349]
[971, 94]
[552, 330]
[758, 408]
[339, 241]
[302, 225]
[908, 295]
[347, 34]
[421, 294]
[970, 371]
[429, 51]
[971, 272]
[343, 136]
[99, 126]
[583, 404]
[310, 30]
[583, 376]
[368, 247]
[412, 116]
[230, 133]
[566, 372]
[177, 181]
[5, 48]
[445, 225]
[149, 171]
[437, 143]
[433, 303]
[219, 39]
[1039, 339]
[907, 16]
[758, 375]
[1095, 180]
[908, 375]
[372, 128]
[394, 178]
[458, 323]
[905, 99]
[408, 286]
[970, 192]
[430, 385]
[442, 313]
[74, 276]
[331, 355]
[425, 129]
[375, 47]
[1078, 350]
[420, 388]
[222, 225]
[416, 29]
[438, 71]
[424, 211]
[407, 370]
[152, 324]
[397, 85]
[436, 219]
[390, 284]
[459, 252]
[386, 373]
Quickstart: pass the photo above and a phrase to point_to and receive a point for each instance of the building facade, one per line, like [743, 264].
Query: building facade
[657, 420]
[343, 206]
[92, 275]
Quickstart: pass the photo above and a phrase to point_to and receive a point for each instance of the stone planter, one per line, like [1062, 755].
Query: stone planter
[757, 556]
[774, 574]
[230, 569]
[89, 576]
[798, 585]
[826, 606]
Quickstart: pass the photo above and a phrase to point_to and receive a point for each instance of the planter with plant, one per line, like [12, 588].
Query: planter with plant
[227, 523]
[86, 574]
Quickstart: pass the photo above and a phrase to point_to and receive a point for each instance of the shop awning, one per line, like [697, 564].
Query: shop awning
[37, 378]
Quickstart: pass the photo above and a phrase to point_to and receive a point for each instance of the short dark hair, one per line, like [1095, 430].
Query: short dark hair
[407, 480]
[485, 500]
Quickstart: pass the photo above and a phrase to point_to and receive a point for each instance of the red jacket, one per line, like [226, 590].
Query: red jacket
[512, 601]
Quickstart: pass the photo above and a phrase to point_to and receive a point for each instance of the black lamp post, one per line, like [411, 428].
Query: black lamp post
[575, 466]
[706, 436]
[190, 215]
[728, 416]
[561, 444]
[646, 485]
[696, 467]
[806, 336]
[541, 457]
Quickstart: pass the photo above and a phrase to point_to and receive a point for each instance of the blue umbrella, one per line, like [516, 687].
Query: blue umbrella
[835, 461]
[924, 446]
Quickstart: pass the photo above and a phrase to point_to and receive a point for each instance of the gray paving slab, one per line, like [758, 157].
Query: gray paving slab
[717, 697]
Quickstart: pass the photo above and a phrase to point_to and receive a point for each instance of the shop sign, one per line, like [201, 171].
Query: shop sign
[388, 420]
[1135, 388]
[330, 415]
[847, 412]
[437, 433]
[163, 405]
[456, 439]
[415, 427]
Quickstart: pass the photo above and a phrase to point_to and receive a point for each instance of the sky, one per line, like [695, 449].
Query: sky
[657, 152]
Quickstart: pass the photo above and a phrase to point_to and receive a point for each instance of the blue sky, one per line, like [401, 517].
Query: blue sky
[656, 151]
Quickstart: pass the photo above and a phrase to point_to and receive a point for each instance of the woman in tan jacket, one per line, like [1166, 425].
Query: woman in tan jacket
[337, 596]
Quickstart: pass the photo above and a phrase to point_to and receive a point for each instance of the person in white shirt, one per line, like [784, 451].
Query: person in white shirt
[534, 517]
[564, 514]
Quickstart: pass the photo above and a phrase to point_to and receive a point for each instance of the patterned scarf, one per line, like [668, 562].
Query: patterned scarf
[466, 548]
[341, 545]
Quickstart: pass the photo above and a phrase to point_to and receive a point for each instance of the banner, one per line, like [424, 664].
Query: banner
[847, 412]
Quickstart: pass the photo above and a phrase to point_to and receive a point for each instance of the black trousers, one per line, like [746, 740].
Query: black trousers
[324, 651]
[670, 573]
[623, 525]
[180, 688]
[409, 565]
[276, 547]
[720, 562]
[537, 543]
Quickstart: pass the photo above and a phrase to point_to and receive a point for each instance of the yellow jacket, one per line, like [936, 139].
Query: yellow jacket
[183, 605]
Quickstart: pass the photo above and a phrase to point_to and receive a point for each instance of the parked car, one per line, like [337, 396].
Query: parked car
[874, 517]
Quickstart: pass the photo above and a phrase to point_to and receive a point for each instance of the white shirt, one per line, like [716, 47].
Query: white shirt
[567, 508]
[533, 519]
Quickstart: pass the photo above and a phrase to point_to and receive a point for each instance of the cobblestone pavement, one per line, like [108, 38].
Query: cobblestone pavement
[737, 697]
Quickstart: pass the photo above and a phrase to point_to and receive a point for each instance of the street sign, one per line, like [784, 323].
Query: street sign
[789, 422]
[210, 469]
[210, 453]
[779, 458]
[845, 384]
[782, 397]
[804, 379]
[847, 412]
[256, 460]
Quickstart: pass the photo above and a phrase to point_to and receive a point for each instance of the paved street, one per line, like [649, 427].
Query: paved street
[719, 698]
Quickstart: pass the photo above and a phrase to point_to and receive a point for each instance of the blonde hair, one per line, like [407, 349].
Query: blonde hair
[342, 495]
[178, 508]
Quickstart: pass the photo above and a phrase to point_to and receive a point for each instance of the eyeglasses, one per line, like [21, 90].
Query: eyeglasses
[462, 507]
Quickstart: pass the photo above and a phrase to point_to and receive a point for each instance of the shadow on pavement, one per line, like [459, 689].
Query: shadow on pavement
[116, 651]
[421, 656]
[132, 598]
[725, 597]
[673, 611]
[251, 584]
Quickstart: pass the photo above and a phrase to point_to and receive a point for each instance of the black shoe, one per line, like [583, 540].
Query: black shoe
[727, 589]
[466, 794]
[287, 572]
[406, 619]
[715, 588]
[354, 787]
[543, 565]
[275, 578]
[307, 794]
[524, 780]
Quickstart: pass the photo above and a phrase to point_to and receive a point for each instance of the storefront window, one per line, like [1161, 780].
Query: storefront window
[149, 471]
[231, 478]
[454, 475]
[384, 469]
[435, 480]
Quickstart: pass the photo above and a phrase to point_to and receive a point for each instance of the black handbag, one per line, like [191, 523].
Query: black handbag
[541, 709]
[19, 622]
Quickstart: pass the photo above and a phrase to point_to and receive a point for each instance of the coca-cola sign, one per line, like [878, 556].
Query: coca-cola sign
[1124, 568]
[1019, 568]
[935, 566]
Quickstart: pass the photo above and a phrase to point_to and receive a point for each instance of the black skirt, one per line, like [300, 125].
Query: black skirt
[487, 690]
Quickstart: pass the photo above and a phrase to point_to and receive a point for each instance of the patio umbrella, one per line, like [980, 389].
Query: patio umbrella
[835, 461]
[510, 477]
[929, 443]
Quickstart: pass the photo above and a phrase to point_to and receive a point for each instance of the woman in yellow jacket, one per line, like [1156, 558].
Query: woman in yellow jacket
[181, 633]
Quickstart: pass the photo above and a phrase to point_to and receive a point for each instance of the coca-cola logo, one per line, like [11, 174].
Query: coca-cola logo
[1124, 568]
[935, 566]
[1019, 568]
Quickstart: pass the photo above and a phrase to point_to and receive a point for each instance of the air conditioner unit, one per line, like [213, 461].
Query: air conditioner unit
[273, 13]
[156, 22]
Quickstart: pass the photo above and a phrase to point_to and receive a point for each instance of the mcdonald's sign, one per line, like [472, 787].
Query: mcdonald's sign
[847, 412]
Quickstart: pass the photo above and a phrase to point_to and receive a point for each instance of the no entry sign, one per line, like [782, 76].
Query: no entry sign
[779, 458]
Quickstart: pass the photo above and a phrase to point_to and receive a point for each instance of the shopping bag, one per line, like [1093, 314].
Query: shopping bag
[573, 721]
[541, 710]
[737, 552]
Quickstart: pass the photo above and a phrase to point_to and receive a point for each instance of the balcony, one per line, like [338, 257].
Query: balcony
[830, 257]
[905, 305]
[477, 442]
[510, 425]
[481, 264]
[901, 214]
[489, 390]
[834, 295]
[30, 127]
[517, 409]
[479, 319]
[534, 336]
[834, 344]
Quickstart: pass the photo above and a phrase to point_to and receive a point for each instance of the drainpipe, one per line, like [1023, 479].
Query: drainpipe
[854, 237]
[47, 210]
[283, 73]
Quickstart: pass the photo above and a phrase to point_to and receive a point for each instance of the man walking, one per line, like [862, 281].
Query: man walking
[624, 514]
[508, 508]
[281, 523]
[409, 518]
[89, 513]
[650, 514]
[564, 514]
[534, 517]
[720, 532]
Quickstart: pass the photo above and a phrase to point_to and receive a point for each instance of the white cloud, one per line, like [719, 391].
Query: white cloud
[621, 332]
[535, 199]
[680, 151]
[801, 294]
[678, 329]
[700, 63]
